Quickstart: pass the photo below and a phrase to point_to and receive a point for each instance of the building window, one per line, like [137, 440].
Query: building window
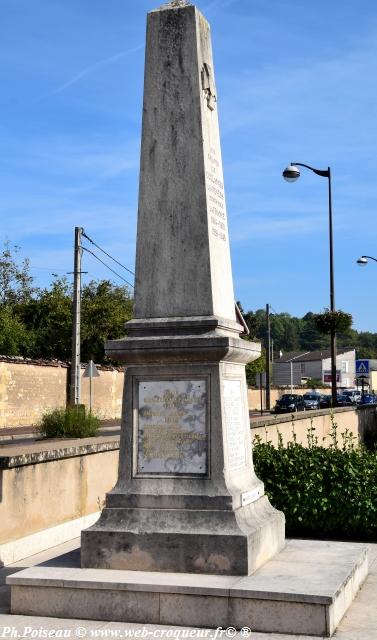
[302, 368]
[345, 364]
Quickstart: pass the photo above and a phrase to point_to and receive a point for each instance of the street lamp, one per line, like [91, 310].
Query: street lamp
[363, 260]
[291, 174]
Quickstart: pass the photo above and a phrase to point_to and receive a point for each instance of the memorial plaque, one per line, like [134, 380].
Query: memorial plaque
[172, 427]
[234, 422]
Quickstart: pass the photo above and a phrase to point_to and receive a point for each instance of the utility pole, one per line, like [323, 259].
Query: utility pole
[75, 391]
[334, 386]
[268, 355]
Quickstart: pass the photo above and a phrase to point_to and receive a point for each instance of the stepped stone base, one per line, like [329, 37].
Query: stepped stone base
[305, 589]
[182, 540]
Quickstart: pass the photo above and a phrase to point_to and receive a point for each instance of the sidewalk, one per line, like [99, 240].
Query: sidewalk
[360, 623]
[8, 435]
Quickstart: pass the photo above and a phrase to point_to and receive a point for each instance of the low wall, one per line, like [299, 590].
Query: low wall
[30, 388]
[358, 422]
[47, 485]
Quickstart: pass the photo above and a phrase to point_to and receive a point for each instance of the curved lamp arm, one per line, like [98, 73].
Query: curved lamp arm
[320, 172]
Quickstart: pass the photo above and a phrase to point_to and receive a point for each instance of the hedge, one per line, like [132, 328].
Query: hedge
[324, 492]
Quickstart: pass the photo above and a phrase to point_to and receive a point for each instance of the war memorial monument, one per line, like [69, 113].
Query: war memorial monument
[187, 536]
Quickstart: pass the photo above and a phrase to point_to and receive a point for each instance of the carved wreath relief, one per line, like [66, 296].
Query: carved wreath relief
[208, 85]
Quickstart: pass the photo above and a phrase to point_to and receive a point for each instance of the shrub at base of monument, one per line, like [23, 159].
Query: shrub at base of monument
[68, 423]
[325, 493]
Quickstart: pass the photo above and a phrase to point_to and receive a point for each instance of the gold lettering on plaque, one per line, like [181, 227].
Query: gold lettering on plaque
[172, 428]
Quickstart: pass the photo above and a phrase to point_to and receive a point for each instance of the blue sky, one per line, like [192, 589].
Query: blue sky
[295, 82]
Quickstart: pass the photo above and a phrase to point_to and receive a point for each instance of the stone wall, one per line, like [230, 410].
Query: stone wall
[44, 485]
[107, 392]
[30, 388]
[346, 418]
[27, 390]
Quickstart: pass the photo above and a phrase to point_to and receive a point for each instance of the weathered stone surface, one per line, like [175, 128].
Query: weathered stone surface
[306, 589]
[187, 498]
[182, 225]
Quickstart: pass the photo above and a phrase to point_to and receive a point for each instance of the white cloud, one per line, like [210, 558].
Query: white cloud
[93, 67]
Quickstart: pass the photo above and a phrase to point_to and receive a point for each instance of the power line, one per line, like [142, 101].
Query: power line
[107, 266]
[274, 310]
[107, 254]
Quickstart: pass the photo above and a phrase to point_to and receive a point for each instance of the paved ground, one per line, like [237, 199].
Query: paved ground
[360, 623]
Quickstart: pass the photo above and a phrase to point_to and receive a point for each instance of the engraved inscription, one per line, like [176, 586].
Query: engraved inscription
[216, 198]
[235, 432]
[172, 427]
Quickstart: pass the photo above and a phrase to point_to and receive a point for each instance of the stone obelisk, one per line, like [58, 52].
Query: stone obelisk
[187, 497]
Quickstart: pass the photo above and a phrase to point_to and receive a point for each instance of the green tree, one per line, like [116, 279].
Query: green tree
[41, 326]
[48, 316]
[255, 367]
[310, 338]
[105, 310]
[15, 338]
[16, 283]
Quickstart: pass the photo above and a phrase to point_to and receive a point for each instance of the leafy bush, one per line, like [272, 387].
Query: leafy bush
[71, 422]
[323, 492]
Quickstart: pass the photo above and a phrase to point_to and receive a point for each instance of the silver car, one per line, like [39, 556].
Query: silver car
[312, 400]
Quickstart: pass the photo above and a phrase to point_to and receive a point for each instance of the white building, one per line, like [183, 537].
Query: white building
[317, 365]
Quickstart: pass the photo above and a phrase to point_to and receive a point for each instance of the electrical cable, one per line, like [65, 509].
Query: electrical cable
[107, 254]
[106, 265]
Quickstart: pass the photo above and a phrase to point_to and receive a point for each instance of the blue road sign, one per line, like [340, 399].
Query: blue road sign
[362, 367]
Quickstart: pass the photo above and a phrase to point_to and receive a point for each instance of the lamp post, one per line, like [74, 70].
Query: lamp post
[291, 174]
[363, 260]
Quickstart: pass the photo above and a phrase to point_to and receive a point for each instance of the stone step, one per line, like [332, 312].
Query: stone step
[305, 589]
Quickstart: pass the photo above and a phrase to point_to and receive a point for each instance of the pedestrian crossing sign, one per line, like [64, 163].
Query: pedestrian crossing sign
[362, 367]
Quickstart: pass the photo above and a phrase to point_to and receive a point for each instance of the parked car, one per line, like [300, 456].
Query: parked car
[368, 398]
[312, 400]
[344, 400]
[289, 403]
[325, 401]
[353, 394]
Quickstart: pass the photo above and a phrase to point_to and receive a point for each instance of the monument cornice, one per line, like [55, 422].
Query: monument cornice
[196, 348]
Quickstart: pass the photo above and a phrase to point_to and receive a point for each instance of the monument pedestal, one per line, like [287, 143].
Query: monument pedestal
[187, 499]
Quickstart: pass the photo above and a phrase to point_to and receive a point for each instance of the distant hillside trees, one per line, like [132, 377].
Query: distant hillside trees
[302, 334]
